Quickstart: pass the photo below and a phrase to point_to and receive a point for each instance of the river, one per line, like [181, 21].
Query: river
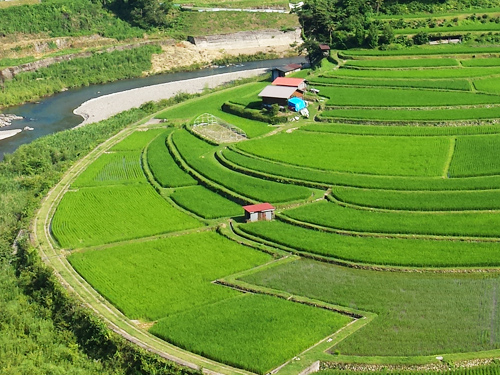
[55, 113]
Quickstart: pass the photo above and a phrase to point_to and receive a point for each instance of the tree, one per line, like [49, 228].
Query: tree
[144, 13]
[387, 36]
[372, 37]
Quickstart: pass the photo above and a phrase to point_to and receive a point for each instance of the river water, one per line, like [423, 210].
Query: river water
[55, 113]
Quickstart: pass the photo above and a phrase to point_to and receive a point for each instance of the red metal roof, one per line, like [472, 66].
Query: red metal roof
[324, 47]
[258, 207]
[285, 81]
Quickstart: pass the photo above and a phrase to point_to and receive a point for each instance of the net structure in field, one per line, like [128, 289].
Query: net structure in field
[216, 129]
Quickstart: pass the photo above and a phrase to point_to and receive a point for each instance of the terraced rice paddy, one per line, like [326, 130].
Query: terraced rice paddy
[400, 172]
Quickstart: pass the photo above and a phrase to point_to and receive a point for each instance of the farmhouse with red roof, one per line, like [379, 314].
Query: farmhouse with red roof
[298, 83]
[256, 212]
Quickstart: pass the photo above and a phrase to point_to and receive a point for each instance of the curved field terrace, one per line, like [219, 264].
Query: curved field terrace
[384, 248]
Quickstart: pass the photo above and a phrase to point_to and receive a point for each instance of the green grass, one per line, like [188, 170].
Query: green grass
[212, 103]
[418, 314]
[444, 73]
[443, 84]
[378, 250]
[94, 216]
[163, 167]
[420, 200]
[396, 156]
[386, 97]
[194, 151]
[113, 168]
[205, 203]
[260, 332]
[463, 224]
[402, 63]
[476, 156]
[153, 279]
[211, 23]
[448, 114]
[137, 140]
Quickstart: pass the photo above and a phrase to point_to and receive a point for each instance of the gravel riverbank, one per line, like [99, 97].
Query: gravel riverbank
[103, 107]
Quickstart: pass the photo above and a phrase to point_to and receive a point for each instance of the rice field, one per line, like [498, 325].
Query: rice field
[96, 216]
[163, 166]
[153, 279]
[190, 148]
[377, 250]
[392, 156]
[113, 168]
[404, 63]
[261, 332]
[205, 203]
[412, 183]
[461, 224]
[417, 313]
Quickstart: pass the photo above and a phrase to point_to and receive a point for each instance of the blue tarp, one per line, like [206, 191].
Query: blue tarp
[296, 104]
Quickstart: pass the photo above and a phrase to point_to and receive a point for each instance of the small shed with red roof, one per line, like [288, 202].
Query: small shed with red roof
[261, 211]
[298, 83]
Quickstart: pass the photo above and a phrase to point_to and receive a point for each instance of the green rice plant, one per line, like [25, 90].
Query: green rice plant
[137, 140]
[113, 168]
[425, 50]
[490, 85]
[95, 216]
[420, 200]
[270, 167]
[153, 279]
[363, 129]
[395, 156]
[443, 84]
[481, 62]
[378, 250]
[402, 63]
[387, 97]
[456, 223]
[212, 103]
[265, 191]
[483, 370]
[443, 73]
[476, 156]
[415, 114]
[260, 332]
[418, 313]
[163, 167]
[205, 203]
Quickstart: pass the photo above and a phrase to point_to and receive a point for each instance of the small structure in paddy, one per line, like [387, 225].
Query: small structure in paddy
[325, 49]
[261, 211]
[277, 95]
